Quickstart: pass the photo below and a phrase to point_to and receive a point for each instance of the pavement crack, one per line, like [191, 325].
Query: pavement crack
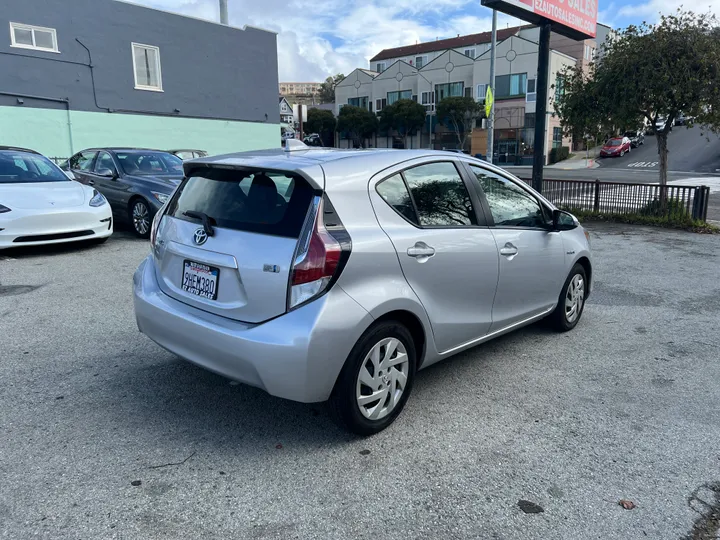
[172, 464]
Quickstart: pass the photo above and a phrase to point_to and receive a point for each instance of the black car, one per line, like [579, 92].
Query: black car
[636, 138]
[136, 182]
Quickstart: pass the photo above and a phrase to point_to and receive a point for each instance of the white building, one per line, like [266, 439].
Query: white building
[428, 72]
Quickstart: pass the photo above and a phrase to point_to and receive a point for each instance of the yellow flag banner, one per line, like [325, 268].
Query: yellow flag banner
[488, 101]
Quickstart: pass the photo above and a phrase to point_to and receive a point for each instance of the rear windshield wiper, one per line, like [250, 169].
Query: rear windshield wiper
[207, 221]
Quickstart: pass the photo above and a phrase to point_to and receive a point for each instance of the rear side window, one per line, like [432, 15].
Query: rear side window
[395, 193]
[255, 201]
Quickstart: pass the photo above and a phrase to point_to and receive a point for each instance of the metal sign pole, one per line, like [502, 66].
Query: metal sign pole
[541, 106]
[491, 118]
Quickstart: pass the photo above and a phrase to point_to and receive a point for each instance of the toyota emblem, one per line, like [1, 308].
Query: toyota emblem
[200, 237]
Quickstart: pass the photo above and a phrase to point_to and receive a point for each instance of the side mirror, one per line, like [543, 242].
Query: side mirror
[563, 221]
[106, 173]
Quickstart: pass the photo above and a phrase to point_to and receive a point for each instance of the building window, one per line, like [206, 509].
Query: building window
[420, 61]
[468, 91]
[380, 104]
[510, 86]
[363, 102]
[456, 89]
[470, 53]
[146, 64]
[33, 37]
[392, 97]
[481, 92]
[529, 120]
[531, 90]
[428, 100]
[380, 67]
[557, 137]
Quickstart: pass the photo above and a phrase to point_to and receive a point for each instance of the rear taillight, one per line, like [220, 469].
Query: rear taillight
[156, 225]
[317, 262]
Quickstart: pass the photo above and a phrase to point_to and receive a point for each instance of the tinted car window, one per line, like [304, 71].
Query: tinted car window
[268, 203]
[104, 161]
[440, 195]
[394, 191]
[82, 161]
[21, 167]
[144, 163]
[510, 205]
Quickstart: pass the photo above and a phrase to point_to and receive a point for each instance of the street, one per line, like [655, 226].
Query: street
[693, 161]
[106, 435]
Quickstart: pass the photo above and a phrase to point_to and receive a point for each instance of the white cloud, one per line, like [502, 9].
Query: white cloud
[317, 38]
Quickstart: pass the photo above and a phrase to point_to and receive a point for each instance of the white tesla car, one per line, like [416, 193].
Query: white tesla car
[39, 204]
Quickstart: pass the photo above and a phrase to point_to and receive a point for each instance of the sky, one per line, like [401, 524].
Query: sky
[317, 38]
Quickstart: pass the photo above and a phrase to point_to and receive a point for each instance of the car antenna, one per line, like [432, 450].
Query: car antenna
[293, 145]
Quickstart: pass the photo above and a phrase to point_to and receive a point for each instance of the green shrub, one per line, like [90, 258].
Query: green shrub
[674, 208]
[558, 154]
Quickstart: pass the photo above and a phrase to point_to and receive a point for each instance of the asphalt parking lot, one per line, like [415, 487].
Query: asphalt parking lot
[105, 435]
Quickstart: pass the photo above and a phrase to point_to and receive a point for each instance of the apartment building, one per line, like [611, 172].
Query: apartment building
[110, 73]
[429, 72]
[299, 88]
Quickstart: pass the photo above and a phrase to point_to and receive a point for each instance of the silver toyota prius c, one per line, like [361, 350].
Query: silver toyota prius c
[334, 275]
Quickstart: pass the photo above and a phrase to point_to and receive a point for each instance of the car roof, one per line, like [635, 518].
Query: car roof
[19, 149]
[299, 159]
[122, 149]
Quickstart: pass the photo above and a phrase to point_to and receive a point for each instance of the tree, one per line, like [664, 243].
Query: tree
[358, 123]
[327, 88]
[458, 113]
[320, 121]
[648, 72]
[404, 116]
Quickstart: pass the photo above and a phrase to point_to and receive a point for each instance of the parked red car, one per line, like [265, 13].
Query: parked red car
[616, 147]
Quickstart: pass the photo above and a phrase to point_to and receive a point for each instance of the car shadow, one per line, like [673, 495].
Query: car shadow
[160, 396]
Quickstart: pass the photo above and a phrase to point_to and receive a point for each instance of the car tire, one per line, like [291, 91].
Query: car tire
[392, 384]
[573, 294]
[622, 153]
[140, 217]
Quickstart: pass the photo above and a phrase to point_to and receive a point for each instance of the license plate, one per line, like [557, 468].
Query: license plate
[200, 279]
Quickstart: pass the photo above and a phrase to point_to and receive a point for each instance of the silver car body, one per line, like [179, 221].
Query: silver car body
[478, 283]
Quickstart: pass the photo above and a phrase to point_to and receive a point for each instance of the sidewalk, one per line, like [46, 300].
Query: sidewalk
[579, 161]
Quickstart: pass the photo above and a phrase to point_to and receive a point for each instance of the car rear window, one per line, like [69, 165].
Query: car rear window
[267, 202]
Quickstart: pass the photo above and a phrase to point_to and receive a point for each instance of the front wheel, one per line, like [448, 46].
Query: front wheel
[571, 302]
[140, 218]
[377, 379]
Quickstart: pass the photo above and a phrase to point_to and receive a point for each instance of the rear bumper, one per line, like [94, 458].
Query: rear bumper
[24, 228]
[296, 356]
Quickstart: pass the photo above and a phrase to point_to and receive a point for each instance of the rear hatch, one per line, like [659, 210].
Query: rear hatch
[226, 241]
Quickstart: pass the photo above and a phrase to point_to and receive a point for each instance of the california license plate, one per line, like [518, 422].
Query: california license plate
[200, 279]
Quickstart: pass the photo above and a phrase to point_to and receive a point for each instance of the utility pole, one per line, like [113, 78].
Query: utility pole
[541, 106]
[491, 118]
[223, 12]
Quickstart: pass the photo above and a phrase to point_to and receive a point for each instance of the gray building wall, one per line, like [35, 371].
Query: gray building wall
[208, 70]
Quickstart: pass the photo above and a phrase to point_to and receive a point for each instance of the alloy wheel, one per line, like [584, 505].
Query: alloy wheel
[382, 379]
[574, 298]
[141, 218]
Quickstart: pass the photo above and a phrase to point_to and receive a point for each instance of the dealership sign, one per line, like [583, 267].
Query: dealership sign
[576, 19]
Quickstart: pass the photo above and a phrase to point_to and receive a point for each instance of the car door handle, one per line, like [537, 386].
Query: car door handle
[509, 250]
[420, 250]
[91, 182]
